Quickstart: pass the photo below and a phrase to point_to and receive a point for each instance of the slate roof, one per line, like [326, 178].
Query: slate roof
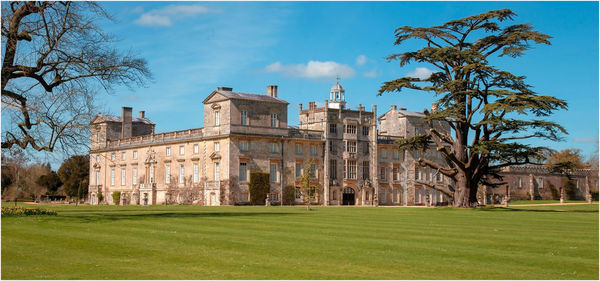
[113, 118]
[246, 96]
[405, 112]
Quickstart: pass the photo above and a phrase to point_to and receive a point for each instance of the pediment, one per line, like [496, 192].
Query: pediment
[214, 97]
[215, 155]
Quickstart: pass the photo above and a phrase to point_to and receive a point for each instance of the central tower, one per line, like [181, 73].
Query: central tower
[337, 96]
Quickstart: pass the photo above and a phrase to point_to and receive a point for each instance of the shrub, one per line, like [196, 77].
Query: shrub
[570, 189]
[20, 211]
[259, 187]
[289, 195]
[100, 197]
[116, 196]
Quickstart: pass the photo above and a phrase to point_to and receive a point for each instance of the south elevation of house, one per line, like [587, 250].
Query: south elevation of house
[352, 154]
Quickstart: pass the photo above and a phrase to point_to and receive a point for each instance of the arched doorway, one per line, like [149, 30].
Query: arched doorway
[348, 196]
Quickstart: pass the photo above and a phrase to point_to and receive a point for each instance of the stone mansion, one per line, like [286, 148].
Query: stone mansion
[352, 154]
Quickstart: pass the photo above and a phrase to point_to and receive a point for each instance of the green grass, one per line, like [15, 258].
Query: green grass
[192, 242]
[522, 202]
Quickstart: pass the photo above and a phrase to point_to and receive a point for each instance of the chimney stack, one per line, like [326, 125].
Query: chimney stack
[393, 107]
[224, 89]
[142, 114]
[126, 122]
[434, 107]
[300, 107]
[272, 91]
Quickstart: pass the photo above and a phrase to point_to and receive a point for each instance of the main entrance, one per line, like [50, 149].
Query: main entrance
[348, 196]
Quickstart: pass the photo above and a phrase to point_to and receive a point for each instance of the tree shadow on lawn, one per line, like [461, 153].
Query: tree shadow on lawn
[116, 216]
[503, 209]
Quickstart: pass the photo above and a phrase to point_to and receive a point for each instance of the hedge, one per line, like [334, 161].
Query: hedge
[116, 196]
[289, 195]
[259, 187]
[20, 211]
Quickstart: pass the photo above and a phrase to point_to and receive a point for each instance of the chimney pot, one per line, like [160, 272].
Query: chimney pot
[142, 114]
[272, 91]
[300, 106]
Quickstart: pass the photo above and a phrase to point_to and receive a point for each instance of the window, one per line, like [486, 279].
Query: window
[298, 193]
[243, 172]
[168, 151]
[366, 148]
[519, 183]
[274, 147]
[244, 117]
[365, 131]
[540, 182]
[123, 155]
[196, 148]
[333, 128]
[217, 146]
[274, 120]
[244, 146]
[313, 171]
[395, 173]
[382, 174]
[331, 147]
[350, 146]
[577, 184]
[438, 177]
[112, 156]
[181, 174]
[365, 170]
[217, 119]
[195, 173]
[383, 153]
[168, 174]
[273, 197]
[134, 176]
[298, 148]
[97, 177]
[97, 136]
[333, 169]
[417, 174]
[395, 195]
[273, 172]
[135, 154]
[112, 177]
[181, 150]
[151, 174]
[97, 158]
[217, 173]
[313, 150]
[122, 176]
[351, 129]
[382, 195]
[350, 169]
[395, 154]
[298, 170]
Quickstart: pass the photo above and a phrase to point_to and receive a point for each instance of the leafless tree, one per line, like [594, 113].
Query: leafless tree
[55, 59]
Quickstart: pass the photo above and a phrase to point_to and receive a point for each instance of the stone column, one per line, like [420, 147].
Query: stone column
[531, 187]
[326, 157]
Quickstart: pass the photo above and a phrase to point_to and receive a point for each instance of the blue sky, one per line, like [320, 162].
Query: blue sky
[194, 47]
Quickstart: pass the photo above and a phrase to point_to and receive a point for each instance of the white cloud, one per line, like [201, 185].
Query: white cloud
[421, 73]
[361, 60]
[313, 69]
[153, 20]
[588, 139]
[137, 10]
[164, 16]
[371, 74]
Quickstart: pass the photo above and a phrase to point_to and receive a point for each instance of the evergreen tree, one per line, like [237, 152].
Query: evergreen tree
[489, 111]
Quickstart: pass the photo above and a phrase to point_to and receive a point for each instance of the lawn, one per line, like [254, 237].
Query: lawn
[192, 242]
[522, 202]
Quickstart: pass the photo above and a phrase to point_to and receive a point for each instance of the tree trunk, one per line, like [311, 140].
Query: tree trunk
[465, 195]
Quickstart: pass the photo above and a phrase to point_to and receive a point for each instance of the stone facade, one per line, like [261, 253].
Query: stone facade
[355, 160]
[535, 182]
